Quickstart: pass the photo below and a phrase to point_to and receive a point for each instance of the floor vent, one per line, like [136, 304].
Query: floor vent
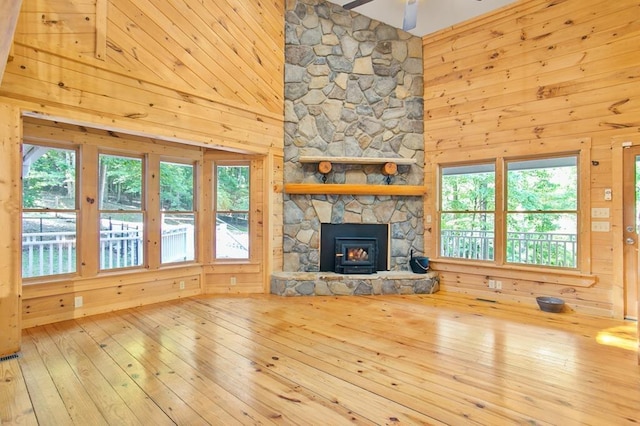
[8, 357]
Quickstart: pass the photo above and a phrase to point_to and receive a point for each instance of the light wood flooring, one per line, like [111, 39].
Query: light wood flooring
[433, 359]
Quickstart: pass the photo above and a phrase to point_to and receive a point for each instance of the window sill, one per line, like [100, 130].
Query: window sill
[572, 277]
[237, 265]
[231, 262]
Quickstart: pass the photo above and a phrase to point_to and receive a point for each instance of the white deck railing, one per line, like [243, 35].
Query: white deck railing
[543, 248]
[48, 253]
[52, 253]
[178, 244]
[121, 248]
[533, 248]
[467, 244]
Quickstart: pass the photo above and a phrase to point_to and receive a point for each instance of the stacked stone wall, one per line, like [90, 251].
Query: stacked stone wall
[353, 88]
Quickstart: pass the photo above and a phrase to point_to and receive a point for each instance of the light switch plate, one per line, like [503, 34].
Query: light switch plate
[600, 212]
[600, 226]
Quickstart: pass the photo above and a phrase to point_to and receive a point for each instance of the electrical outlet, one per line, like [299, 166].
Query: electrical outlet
[498, 285]
[233, 280]
[600, 226]
[78, 302]
[181, 285]
[492, 283]
[600, 212]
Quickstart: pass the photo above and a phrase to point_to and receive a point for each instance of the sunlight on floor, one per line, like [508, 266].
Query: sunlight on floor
[624, 336]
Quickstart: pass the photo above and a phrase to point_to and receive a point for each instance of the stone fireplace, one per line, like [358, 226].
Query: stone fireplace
[353, 89]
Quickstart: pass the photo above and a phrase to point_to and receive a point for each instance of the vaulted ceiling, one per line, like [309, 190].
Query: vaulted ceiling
[433, 15]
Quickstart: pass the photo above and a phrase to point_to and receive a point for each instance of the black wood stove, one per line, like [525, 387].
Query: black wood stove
[354, 248]
[356, 255]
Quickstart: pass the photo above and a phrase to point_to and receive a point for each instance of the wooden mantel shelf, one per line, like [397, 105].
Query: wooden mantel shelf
[358, 160]
[324, 165]
[353, 189]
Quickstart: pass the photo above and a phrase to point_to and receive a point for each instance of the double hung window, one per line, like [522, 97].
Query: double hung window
[86, 209]
[90, 207]
[531, 220]
[49, 210]
[177, 191]
[542, 212]
[121, 207]
[467, 219]
[232, 196]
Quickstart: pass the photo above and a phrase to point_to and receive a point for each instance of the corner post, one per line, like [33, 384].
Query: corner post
[11, 223]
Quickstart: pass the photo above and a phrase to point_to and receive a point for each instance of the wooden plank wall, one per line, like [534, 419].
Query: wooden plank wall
[10, 204]
[224, 50]
[8, 21]
[206, 73]
[538, 73]
[273, 224]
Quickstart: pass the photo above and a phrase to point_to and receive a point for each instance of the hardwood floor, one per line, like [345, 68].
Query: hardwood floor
[436, 359]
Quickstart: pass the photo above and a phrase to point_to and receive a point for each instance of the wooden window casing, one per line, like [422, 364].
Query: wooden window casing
[89, 147]
[235, 211]
[555, 249]
[122, 237]
[580, 276]
[49, 247]
[185, 216]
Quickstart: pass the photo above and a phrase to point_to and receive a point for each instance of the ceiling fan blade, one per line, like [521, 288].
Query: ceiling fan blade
[355, 4]
[410, 15]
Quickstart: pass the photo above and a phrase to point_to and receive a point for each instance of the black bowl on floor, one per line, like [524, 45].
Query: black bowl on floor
[550, 304]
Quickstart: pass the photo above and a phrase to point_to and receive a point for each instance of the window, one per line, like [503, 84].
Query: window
[232, 211]
[540, 213]
[467, 212]
[86, 211]
[49, 211]
[178, 215]
[121, 212]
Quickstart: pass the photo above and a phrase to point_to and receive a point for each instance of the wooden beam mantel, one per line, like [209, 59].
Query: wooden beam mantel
[325, 166]
[358, 160]
[354, 189]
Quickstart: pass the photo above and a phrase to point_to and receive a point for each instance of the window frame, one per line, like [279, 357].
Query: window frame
[214, 211]
[88, 150]
[143, 207]
[193, 211]
[508, 212]
[442, 212]
[76, 210]
[581, 147]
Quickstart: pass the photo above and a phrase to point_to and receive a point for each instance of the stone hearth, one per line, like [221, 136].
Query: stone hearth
[332, 284]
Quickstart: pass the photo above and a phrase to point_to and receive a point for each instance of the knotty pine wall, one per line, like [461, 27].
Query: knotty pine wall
[535, 77]
[206, 74]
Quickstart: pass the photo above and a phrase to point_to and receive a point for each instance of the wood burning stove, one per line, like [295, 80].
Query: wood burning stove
[356, 255]
[337, 238]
